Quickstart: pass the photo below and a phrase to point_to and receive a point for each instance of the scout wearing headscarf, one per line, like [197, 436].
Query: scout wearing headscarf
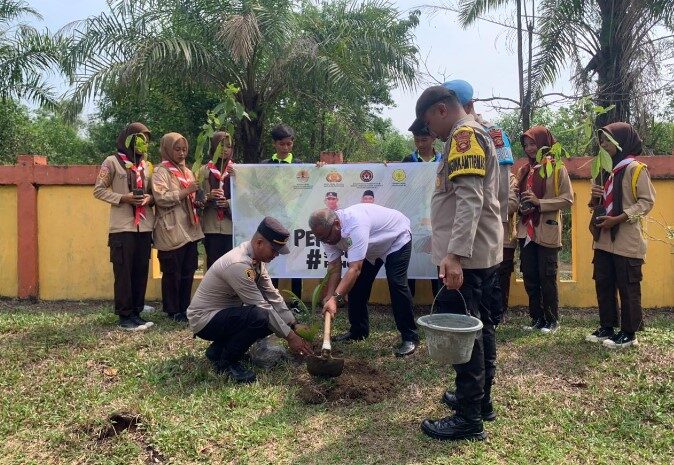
[217, 217]
[177, 230]
[626, 194]
[124, 182]
[540, 229]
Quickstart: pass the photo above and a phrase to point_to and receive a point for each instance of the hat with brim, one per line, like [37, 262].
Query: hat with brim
[331, 195]
[272, 230]
[426, 100]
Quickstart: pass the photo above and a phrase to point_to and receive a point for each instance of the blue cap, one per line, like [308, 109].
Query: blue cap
[462, 89]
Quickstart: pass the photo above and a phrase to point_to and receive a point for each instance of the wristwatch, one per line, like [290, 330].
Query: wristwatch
[339, 298]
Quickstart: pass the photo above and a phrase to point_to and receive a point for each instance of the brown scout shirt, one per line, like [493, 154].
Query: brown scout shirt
[111, 184]
[548, 233]
[235, 280]
[509, 227]
[465, 212]
[210, 224]
[173, 225]
[630, 241]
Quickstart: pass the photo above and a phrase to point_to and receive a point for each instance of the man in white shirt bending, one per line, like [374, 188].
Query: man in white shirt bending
[371, 236]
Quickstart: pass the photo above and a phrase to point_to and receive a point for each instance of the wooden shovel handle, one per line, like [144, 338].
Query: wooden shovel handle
[326, 332]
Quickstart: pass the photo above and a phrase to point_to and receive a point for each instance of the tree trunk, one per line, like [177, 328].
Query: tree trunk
[520, 64]
[250, 133]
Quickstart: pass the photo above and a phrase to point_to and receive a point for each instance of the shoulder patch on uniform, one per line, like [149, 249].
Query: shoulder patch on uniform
[466, 155]
[104, 172]
[251, 274]
[496, 135]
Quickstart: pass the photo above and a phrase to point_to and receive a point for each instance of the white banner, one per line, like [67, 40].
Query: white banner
[290, 193]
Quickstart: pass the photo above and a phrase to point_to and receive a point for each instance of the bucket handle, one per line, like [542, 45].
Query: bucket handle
[442, 288]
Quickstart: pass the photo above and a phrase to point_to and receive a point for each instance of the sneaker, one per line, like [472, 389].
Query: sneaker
[129, 324]
[600, 335]
[550, 327]
[179, 317]
[140, 322]
[621, 340]
[536, 324]
[148, 309]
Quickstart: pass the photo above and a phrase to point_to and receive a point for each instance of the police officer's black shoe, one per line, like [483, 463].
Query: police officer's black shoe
[179, 317]
[348, 336]
[488, 413]
[406, 348]
[454, 428]
[214, 352]
[237, 372]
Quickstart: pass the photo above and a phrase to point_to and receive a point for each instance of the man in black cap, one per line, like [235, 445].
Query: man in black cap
[368, 197]
[236, 303]
[467, 238]
[332, 201]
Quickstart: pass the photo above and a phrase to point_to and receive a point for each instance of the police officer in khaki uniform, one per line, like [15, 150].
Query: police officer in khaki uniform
[236, 303]
[124, 182]
[467, 238]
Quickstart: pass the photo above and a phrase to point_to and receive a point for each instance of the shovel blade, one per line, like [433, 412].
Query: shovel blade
[325, 366]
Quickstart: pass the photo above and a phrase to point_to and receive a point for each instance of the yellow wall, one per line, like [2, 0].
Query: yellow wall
[74, 259]
[8, 246]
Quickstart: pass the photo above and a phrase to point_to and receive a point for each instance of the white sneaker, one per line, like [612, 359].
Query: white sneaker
[621, 341]
[149, 309]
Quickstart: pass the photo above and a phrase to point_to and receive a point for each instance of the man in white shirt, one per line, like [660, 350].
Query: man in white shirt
[371, 236]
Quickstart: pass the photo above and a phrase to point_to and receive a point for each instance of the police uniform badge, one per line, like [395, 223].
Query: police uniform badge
[466, 155]
[462, 140]
[251, 274]
[496, 135]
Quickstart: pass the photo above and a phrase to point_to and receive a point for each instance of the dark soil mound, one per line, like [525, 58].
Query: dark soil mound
[358, 382]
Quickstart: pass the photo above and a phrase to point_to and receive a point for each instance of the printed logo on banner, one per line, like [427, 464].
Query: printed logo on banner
[366, 176]
[333, 176]
[399, 175]
[303, 176]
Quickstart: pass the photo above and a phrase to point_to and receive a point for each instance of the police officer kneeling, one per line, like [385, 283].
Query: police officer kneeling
[236, 303]
[467, 240]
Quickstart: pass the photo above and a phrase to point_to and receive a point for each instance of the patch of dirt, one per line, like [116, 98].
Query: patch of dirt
[358, 382]
[118, 422]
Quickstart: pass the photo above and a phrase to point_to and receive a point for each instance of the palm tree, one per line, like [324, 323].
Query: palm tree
[26, 55]
[264, 47]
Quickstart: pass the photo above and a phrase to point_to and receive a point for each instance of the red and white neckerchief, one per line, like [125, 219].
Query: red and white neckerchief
[138, 170]
[184, 183]
[221, 178]
[608, 185]
[530, 217]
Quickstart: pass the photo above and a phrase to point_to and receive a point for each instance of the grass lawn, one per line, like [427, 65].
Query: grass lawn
[65, 369]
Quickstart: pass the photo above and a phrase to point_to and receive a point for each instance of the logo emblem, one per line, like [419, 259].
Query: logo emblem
[251, 274]
[333, 176]
[399, 175]
[497, 136]
[303, 176]
[366, 176]
[462, 139]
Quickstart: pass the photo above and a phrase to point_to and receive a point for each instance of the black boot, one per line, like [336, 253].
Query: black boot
[235, 370]
[466, 424]
[488, 413]
[214, 352]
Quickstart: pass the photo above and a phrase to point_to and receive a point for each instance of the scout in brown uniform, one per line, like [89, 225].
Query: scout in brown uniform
[467, 238]
[216, 219]
[124, 182]
[507, 266]
[626, 195]
[540, 229]
[177, 230]
[236, 303]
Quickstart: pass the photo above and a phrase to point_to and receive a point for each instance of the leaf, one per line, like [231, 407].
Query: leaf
[605, 160]
[596, 167]
[110, 372]
[539, 154]
[541, 171]
[548, 169]
[611, 139]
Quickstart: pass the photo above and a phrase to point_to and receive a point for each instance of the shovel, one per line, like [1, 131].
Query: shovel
[325, 365]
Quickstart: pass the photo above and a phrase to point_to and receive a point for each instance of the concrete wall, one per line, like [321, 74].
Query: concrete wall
[8, 242]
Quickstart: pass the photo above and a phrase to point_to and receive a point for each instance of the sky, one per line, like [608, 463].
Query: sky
[483, 55]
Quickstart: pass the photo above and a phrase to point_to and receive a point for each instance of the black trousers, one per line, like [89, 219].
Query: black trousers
[474, 378]
[216, 246]
[130, 257]
[412, 284]
[615, 274]
[234, 330]
[178, 267]
[539, 269]
[295, 286]
[401, 298]
[505, 271]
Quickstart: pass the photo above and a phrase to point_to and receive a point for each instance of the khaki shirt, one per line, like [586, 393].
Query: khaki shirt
[509, 227]
[111, 184]
[234, 280]
[173, 225]
[548, 233]
[210, 223]
[465, 212]
[630, 241]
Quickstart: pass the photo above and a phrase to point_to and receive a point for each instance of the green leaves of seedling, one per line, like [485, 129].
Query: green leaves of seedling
[138, 141]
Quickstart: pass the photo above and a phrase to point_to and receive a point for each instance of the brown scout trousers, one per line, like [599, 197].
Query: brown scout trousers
[178, 267]
[539, 270]
[130, 257]
[615, 274]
